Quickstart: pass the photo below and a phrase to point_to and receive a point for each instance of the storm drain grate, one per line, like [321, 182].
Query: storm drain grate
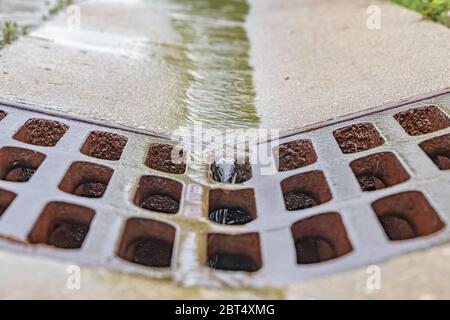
[344, 194]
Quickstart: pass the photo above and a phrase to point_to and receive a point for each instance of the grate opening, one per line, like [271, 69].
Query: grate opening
[41, 132]
[147, 242]
[232, 207]
[407, 215]
[358, 137]
[6, 198]
[305, 190]
[104, 145]
[295, 154]
[166, 158]
[438, 149]
[62, 225]
[158, 194]
[240, 252]
[379, 171]
[86, 179]
[422, 120]
[19, 165]
[320, 238]
[231, 171]
[3, 114]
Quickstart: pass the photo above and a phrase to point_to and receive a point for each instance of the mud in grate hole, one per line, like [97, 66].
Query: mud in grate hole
[438, 149]
[407, 215]
[3, 114]
[358, 137]
[166, 158]
[232, 207]
[320, 238]
[239, 252]
[19, 165]
[6, 198]
[379, 171]
[305, 190]
[422, 120]
[147, 242]
[295, 154]
[62, 225]
[41, 132]
[104, 145]
[158, 194]
[228, 170]
[86, 179]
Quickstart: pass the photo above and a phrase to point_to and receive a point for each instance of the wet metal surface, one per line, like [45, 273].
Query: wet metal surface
[347, 227]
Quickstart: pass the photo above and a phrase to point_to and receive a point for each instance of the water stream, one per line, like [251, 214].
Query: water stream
[214, 53]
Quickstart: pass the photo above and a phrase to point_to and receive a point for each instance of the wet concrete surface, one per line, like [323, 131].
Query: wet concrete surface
[115, 63]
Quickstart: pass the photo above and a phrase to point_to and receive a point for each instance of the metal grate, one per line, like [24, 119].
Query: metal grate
[346, 193]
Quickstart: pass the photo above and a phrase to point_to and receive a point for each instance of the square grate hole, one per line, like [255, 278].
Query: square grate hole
[104, 145]
[438, 149]
[166, 158]
[358, 137]
[231, 170]
[232, 207]
[240, 252]
[422, 120]
[3, 114]
[62, 225]
[407, 215]
[320, 238]
[305, 190]
[41, 132]
[295, 154]
[147, 242]
[19, 165]
[379, 171]
[6, 198]
[86, 179]
[158, 194]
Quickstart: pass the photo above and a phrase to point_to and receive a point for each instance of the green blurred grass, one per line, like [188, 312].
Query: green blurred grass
[437, 10]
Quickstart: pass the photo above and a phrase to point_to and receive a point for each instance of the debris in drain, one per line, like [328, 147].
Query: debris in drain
[160, 157]
[305, 190]
[358, 137]
[232, 262]
[231, 216]
[378, 171]
[160, 203]
[313, 250]
[151, 252]
[298, 201]
[370, 182]
[19, 174]
[295, 154]
[90, 190]
[397, 227]
[422, 120]
[41, 132]
[226, 170]
[19, 165]
[2, 115]
[67, 234]
[104, 145]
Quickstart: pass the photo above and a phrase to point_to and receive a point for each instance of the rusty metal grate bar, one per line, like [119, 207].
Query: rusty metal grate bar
[345, 194]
